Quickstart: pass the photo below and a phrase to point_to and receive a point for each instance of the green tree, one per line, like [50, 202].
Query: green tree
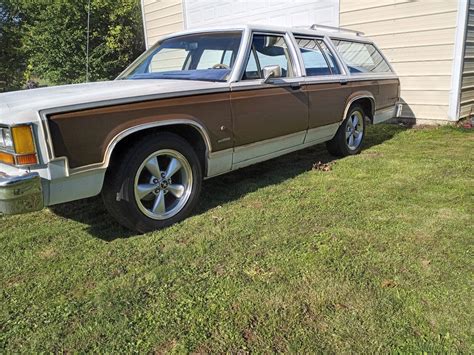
[55, 38]
[12, 56]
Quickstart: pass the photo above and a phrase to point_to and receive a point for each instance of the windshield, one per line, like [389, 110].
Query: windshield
[200, 56]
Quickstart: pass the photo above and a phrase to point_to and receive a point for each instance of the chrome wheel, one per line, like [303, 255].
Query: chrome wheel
[354, 130]
[163, 184]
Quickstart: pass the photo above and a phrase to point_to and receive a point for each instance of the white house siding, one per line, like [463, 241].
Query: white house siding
[202, 13]
[161, 17]
[467, 86]
[418, 38]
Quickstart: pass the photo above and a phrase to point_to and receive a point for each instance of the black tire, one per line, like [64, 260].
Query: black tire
[339, 145]
[119, 188]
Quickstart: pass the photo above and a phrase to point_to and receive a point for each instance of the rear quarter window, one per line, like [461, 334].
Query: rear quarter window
[361, 57]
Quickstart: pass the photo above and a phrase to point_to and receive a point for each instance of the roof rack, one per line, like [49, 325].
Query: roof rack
[340, 29]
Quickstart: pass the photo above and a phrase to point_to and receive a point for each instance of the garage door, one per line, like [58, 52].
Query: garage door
[206, 13]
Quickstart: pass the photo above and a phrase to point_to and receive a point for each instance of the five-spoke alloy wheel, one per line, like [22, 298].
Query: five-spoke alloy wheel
[350, 135]
[354, 130]
[163, 184]
[155, 183]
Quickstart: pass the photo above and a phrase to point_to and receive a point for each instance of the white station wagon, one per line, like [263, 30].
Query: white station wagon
[197, 104]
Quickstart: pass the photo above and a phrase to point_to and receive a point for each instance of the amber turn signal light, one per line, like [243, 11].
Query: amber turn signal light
[23, 140]
[7, 158]
[28, 159]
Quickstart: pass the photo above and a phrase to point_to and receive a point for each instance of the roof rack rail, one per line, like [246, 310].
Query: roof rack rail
[340, 29]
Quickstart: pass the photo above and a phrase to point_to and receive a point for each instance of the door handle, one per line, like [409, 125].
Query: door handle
[343, 81]
[295, 86]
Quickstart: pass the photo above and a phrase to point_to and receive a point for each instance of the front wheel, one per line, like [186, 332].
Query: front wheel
[350, 135]
[155, 184]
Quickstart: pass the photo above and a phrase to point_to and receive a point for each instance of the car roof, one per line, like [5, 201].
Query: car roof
[321, 31]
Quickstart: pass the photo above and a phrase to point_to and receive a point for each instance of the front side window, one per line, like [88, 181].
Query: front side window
[201, 56]
[361, 57]
[268, 50]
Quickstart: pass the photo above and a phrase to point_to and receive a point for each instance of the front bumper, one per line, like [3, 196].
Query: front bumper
[20, 194]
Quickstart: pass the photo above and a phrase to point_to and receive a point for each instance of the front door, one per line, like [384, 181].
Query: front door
[272, 117]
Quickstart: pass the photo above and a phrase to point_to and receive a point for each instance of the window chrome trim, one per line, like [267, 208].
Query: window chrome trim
[295, 60]
[239, 63]
[330, 49]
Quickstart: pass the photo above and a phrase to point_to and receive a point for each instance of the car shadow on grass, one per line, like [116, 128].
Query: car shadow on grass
[224, 188]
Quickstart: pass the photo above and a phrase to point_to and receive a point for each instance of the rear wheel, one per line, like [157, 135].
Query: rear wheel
[156, 183]
[350, 135]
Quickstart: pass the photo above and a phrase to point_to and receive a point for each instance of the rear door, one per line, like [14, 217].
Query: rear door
[270, 117]
[326, 86]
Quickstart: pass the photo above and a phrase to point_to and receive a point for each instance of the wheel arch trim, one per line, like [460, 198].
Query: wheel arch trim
[143, 127]
[354, 98]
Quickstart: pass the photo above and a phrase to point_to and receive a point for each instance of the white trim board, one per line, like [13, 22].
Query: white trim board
[145, 31]
[456, 78]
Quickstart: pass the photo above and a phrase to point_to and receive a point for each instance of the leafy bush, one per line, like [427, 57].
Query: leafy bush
[51, 37]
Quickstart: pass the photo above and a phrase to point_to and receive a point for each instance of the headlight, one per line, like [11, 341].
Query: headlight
[6, 141]
[17, 146]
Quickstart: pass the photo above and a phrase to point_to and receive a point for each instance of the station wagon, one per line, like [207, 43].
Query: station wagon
[197, 104]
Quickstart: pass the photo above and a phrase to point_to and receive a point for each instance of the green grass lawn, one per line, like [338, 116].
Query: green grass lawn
[373, 255]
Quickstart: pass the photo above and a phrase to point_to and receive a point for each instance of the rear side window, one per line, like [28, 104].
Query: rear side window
[317, 58]
[361, 57]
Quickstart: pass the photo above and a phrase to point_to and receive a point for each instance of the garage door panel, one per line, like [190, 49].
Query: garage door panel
[287, 13]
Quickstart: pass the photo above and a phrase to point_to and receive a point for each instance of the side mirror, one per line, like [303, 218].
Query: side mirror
[271, 71]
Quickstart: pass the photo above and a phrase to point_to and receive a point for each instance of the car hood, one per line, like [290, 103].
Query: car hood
[16, 105]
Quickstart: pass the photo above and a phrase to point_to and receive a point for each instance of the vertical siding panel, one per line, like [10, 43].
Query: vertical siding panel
[161, 18]
[418, 38]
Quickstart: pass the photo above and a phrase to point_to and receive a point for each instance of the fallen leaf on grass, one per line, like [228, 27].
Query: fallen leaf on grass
[373, 154]
[389, 284]
[340, 306]
[425, 262]
[217, 219]
[322, 166]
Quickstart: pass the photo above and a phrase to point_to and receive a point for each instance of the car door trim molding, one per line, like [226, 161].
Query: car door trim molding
[286, 143]
[239, 157]
[308, 80]
[258, 85]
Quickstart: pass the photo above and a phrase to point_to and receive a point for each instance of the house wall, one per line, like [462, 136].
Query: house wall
[421, 39]
[161, 17]
[467, 86]
[418, 37]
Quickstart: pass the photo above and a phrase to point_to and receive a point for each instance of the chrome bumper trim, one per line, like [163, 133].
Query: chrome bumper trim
[388, 113]
[399, 106]
[20, 194]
